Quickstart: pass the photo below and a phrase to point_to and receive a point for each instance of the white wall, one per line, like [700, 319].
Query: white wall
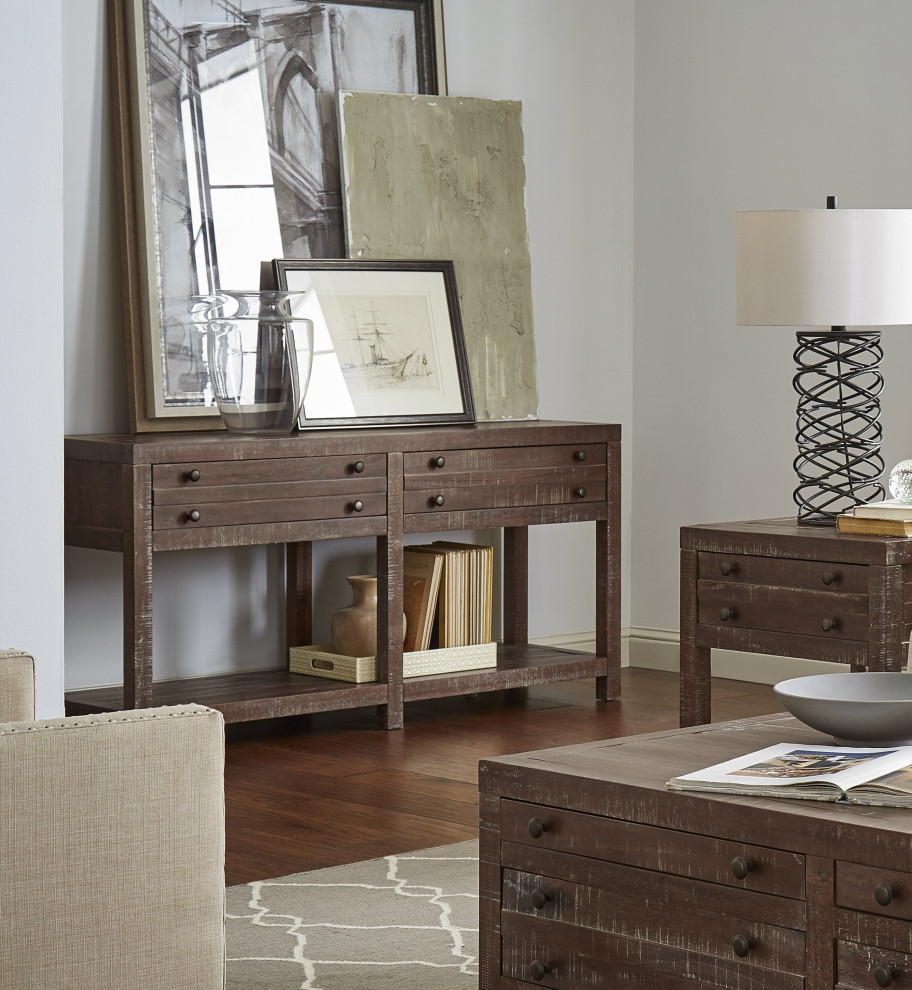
[31, 286]
[222, 609]
[745, 105]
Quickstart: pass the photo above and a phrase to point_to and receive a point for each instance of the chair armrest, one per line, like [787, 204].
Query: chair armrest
[17, 686]
[112, 851]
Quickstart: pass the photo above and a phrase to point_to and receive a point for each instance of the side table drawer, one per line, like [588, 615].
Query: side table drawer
[786, 610]
[676, 853]
[783, 572]
[874, 891]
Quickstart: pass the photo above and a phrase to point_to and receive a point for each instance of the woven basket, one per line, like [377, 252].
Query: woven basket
[320, 661]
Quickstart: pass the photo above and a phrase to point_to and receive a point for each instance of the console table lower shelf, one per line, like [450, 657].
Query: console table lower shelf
[593, 875]
[275, 692]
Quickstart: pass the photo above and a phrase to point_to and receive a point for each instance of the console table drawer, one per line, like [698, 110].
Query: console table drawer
[767, 931]
[490, 465]
[199, 515]
[502, 496]
[266, 478]
[783, 572]
[647, 846]
[564, 957]
[779, 609]
[874, 891]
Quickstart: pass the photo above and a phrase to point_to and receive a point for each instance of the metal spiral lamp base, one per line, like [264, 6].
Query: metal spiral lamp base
[838, 428]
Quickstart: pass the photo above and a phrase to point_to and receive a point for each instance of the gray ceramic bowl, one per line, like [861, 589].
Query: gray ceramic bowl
[866, 708]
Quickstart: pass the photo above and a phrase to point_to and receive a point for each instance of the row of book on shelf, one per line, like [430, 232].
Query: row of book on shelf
[891, 517]
[447, 594]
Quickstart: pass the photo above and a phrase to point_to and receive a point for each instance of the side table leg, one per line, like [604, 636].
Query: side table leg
[695, 662]
[885, 629]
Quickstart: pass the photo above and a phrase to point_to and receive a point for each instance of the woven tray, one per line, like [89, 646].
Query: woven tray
[320, 661]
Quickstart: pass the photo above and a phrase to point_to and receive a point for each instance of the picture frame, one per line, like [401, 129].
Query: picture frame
[227, 153]
[388, 342]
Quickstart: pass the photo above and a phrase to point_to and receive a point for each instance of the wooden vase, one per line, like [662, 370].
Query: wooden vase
[354, 628]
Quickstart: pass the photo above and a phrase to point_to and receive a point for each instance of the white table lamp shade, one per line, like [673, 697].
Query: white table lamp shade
[806, 268]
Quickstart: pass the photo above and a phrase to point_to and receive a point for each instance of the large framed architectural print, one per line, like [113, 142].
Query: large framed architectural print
[229, 155]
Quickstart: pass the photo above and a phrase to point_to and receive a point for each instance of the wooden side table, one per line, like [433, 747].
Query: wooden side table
[772, 586]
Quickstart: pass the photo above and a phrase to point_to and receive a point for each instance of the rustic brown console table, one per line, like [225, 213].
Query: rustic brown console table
[773, 586]
[146, 493]
[593, 875]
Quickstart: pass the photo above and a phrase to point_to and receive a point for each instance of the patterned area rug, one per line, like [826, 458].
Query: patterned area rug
[407, 922]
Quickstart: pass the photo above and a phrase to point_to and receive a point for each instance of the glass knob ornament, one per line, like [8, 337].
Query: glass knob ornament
[901, 481]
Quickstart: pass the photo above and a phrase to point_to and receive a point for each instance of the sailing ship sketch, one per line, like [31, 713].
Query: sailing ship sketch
[378, 359]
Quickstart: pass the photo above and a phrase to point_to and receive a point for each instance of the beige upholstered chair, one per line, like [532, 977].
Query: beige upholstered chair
[111, 845]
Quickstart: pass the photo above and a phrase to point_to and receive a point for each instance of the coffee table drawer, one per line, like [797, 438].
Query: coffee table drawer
[874, 891]
[866, 967]
[564, 957]
[760, 929]
[677, 853]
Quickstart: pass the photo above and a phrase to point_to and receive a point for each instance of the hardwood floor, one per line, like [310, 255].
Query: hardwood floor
[328, 789]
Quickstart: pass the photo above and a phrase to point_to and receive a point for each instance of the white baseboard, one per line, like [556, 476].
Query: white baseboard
[658, 649]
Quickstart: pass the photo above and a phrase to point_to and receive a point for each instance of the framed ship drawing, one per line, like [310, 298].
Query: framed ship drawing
[388, 342]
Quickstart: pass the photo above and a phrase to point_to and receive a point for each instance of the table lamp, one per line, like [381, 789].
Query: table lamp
[830, 269]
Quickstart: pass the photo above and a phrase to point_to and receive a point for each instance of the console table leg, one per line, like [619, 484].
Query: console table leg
[137, 588]
[298, 594]
[516, 584]
[390, 631]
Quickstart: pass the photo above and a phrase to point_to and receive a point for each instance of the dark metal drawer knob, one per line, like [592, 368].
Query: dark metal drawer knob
[358, 467]
[357, 505]
[539, 970]
[438, 500]
[726, 568]
[580, 455]
[741, 866]
[579, 492]
[193, 515]
[438, 462]
[193, 475]
[884, 894]
[742, 944]
[539, 898]
[726, 613]
[827, 624]
[828, 577]
[537, 828]
[885, 974]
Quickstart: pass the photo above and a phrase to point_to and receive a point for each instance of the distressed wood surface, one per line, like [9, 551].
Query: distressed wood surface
[634, 882]
[146, 493]
[772, 586]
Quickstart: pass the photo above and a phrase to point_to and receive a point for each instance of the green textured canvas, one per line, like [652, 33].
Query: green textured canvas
[435, 177]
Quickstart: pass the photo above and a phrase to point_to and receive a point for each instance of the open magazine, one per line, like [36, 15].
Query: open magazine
[876, 776]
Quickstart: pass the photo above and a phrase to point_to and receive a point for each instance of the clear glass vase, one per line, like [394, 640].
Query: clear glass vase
[259, 355]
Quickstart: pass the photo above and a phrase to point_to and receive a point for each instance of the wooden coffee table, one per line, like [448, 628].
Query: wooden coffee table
[593, 875]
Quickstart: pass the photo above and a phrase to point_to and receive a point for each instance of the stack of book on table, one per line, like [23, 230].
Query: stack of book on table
[891, 517]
